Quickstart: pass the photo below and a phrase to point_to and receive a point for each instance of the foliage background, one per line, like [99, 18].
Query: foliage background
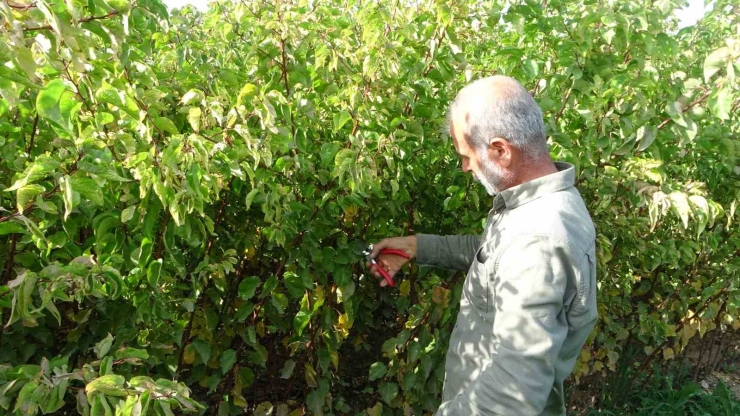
[183, 196]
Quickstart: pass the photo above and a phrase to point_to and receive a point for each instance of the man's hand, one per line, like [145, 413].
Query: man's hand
[392, 264]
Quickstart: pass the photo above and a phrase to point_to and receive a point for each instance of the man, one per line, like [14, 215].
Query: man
[529, 299]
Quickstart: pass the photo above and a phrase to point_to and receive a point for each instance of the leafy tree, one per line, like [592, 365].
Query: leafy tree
[184, 196]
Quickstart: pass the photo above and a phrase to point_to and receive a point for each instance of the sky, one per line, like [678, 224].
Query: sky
[687, 16]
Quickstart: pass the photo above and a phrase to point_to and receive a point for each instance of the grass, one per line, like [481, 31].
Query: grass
[674, 394]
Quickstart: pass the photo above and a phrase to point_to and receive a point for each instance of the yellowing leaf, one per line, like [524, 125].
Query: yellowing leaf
[310, 376]
[189, 354]
[194, 118]
[343, 325]
[26, 194]
[405, 288]
[680, 203]
[441, 296]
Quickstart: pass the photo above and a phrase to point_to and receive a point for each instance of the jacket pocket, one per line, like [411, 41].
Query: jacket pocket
[583, 310]
[476, 288]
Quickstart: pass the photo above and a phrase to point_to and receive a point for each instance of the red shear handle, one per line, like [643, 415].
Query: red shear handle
[385, 275]
[391, 252]
[394, 252]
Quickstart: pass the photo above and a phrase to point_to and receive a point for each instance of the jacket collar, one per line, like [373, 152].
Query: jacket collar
[529, 191]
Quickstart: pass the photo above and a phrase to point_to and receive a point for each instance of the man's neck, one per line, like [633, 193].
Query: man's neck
[534, 170]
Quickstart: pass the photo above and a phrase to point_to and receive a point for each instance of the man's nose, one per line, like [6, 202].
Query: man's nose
[465, 166]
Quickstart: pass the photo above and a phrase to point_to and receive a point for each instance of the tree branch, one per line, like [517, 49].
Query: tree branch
[83, 20]
[33, 134]
[688, 107]
[11, 258]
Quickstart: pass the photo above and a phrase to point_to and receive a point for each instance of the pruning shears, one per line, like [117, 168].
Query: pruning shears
[385, 251]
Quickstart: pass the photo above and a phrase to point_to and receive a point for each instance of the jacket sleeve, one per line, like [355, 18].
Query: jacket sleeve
[529, 279]
[453, 252]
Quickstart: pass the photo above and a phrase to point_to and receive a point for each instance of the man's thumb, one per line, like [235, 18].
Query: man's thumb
[378, 247]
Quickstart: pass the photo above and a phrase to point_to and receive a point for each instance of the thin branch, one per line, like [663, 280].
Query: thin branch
[688, 107]
[11, 258]
[83, 20]
[20, 7]
[46, 194]
[33, 134]
[565, 102]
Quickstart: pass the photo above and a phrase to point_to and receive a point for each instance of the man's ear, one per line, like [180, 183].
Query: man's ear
[500, 150]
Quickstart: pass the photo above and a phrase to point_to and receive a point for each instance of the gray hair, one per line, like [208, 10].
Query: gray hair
[499, 106]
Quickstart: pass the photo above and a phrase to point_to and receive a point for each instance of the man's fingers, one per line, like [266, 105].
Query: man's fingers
[374, 270]
[380, 245]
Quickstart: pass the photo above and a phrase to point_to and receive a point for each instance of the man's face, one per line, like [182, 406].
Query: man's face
[478, 162]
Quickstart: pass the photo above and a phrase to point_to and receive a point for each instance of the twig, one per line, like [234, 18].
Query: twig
[11, 258]
[33, 134]
[565, 102]
[688, 107]
[83, 20]
[19, 7]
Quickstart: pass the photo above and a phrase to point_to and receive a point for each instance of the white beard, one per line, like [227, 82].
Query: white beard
[493, 178]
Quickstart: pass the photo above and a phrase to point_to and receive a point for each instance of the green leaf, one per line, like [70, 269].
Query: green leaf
[227, 360]
[110, 385]
[270, 284]
[409, 381]
[26, 194]
[247, 92]
[388, 391]
[145, 253]
[250, 197]
[680, 203]
[287, 370]
[715, 61]
[646, 136]
[531, 68]
[102, 347]
[248, 287]
[11, 228]
[280, 302]
[165, 124]
[377, 371]
[102, 170]
[328, 151]
[128, 352]
[65, 183]
[128, 213]
[203, 348]
[342, 275]
[414, 351]
[247, 376]
[57, 105]
[48, 207]
[153, 272]
[700, 209]
[40, 167]
[720, 102]
[340, 119]
[113, 277]
[88, 188]
[300, 321]
[25, 396]
[192, 96]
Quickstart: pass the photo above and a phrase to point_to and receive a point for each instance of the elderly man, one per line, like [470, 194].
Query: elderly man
[528, 302]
